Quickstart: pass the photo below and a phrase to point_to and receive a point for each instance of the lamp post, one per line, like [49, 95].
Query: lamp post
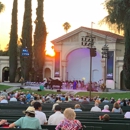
[105, 55]
[88, 41]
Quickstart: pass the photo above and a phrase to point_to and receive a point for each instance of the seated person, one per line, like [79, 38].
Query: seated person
[105, 117]
[69, 122]
[127, 115]
[106, 109]
[96, 108]
[57, 117]
[29, 121]
[116, 108]
[77, 107]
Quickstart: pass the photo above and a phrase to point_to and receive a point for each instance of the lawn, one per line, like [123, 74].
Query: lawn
[2, 87]
[108, 95]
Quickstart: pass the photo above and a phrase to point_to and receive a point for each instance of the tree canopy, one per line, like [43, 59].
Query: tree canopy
[119, 14]
[2, 7]
[66, 26]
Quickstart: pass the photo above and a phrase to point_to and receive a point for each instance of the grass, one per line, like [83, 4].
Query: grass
[2, 87]
[108, 95]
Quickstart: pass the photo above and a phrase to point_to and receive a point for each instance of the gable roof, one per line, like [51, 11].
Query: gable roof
[80, 29]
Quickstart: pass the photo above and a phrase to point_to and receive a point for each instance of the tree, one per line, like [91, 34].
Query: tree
[119, 14]
[13, 44]
[39, 41]
[2, 7]
[66, 26]
[26, 63]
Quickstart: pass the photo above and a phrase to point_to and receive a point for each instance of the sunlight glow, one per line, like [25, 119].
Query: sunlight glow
[55, 14]
[50, 50]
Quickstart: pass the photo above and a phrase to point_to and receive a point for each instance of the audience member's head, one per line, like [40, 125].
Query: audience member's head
[58, 108]
[30, 111]
[77, 106]
[116, 105]
[106, 107]
[37, 105]
[105, 117]
[69, 114]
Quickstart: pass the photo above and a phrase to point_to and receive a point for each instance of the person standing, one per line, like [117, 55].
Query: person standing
[57, 117]
[39, 114]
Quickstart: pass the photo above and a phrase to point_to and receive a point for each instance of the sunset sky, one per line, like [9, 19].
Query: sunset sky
[56, 12]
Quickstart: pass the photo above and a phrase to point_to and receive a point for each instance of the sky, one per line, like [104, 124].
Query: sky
[56, 12]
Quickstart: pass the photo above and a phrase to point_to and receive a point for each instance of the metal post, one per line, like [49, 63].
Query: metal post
[90, 76]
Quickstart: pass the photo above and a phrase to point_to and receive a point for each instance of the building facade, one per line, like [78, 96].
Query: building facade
[72, 60]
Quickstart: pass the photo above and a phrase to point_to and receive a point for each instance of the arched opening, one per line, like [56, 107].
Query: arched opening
[5, 74]
[78, 65]
[121, 81]
[47, 73]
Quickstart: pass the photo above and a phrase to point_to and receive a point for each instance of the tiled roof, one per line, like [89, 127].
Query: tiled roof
[107, 33]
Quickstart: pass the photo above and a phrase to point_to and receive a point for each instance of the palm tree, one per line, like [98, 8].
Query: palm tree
[119, 14]
[2, 7]
[66, 26]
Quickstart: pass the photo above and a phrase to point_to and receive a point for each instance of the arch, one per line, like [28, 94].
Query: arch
[5, 74]
[78, 65]
[122, 86]
[47, 73]
[75, 48]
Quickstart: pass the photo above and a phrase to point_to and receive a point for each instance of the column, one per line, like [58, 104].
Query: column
[103, 70]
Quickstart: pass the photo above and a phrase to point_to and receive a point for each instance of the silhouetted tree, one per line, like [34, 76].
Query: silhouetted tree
[2, 7]
[119, 14]
[66, 26]
[26, 63]
[13, 44]
[39, 41]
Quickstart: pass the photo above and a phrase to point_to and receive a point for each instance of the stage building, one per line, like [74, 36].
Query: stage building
[72, 60]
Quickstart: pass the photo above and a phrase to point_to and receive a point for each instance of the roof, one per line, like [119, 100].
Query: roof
[105, 33]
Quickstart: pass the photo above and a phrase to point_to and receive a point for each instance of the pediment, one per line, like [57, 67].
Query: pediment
[76, 35]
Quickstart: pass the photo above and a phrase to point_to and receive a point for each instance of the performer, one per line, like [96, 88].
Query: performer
[74, 84]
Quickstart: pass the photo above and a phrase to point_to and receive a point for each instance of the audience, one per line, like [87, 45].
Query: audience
[96, 108]
[39, 114]
[77, 107]
[57, 117]
[106, 109]
[105, 117]
[69, 122]
[127, 115]
[116, 108]
[29, 121]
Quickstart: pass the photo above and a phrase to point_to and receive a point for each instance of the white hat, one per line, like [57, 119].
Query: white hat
[29, 110]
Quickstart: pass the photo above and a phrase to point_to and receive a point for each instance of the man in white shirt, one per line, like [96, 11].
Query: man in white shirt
[57, 117]
[39, 114]
[95, 108]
